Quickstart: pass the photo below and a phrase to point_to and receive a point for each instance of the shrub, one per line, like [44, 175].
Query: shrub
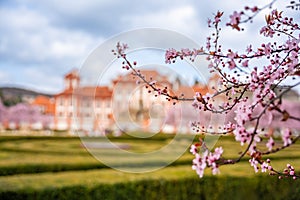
[259, 187]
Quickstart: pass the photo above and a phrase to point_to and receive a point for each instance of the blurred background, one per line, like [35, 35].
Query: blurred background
[43, 46]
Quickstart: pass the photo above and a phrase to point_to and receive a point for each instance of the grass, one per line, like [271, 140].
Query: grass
[72, 151]
[47, 151]
[89, 178]
[109, 176]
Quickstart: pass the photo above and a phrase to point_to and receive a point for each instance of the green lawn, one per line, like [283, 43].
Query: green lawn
[88, 178]
[63, 161]
[71, 151]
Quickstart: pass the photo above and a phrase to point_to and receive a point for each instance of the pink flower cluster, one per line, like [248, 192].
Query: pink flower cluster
[289, 171]
[202, 102]
[264, 165]
[121, 48]
[172, 54]
[206, 159]
[276, 23]
[243, 113]
[284, 61]
[235, 20]
[261, 83]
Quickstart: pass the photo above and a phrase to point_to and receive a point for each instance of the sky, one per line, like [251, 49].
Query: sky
[40, 41]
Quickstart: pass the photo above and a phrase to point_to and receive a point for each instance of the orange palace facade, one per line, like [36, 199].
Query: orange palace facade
[82, 108]
[97, 109]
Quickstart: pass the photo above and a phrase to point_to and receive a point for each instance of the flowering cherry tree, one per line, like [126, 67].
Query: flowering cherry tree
[253, 86]
[23, 113]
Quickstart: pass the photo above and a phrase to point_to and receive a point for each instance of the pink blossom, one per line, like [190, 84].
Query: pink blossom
[207, 159]
[267, 48]
[243, 113]
[218, 17]
[199, 163]
[286, 137]
[170, 55]
[267, 31]
[232, 55]
[121, 48]
[208, 45]
[253, 146]
[264, 167]
[249, 49]
[153, 82]
[197, 105]
[218, 153]
[245, 63]
[292, 44]
[212, 157]
[207, 97]
[254, 163]
[270, 144]
[241, 134]
[209, 22]
[231, 64]
[233, 92]
[186, 52]
[235, 19]
[215, 169]
[254, 9]
[210, 65]
[198, 101]
[195, 148]
[229, 126]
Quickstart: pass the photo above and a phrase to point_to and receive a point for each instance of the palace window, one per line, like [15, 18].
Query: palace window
[61, 101]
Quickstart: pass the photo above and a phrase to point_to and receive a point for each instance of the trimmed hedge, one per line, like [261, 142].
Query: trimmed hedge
[41, 168]
[260, 187]
[156, 137]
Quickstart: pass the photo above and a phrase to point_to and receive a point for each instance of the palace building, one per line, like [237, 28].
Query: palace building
[82, 108]
[122, 105]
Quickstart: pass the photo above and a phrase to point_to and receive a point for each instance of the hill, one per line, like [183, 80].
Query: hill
[13, 95]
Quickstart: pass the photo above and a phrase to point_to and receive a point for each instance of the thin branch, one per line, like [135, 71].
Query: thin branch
[294, 140]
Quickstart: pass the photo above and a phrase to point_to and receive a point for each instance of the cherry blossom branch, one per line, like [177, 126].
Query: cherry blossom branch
[198, 129]
[257, 10]
[261, 82]
[293, 141]
[294, 5]
[120, 53]
[287, 172]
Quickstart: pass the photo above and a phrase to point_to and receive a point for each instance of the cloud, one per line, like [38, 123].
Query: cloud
[31, 42]
[4, 77]
[179, 18]
[92, 17]
[48, 38]
[29, 37]
[43, 80]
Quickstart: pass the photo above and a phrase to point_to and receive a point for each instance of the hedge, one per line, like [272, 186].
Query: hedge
[156, 137]
[41, 168]
[260, 187]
